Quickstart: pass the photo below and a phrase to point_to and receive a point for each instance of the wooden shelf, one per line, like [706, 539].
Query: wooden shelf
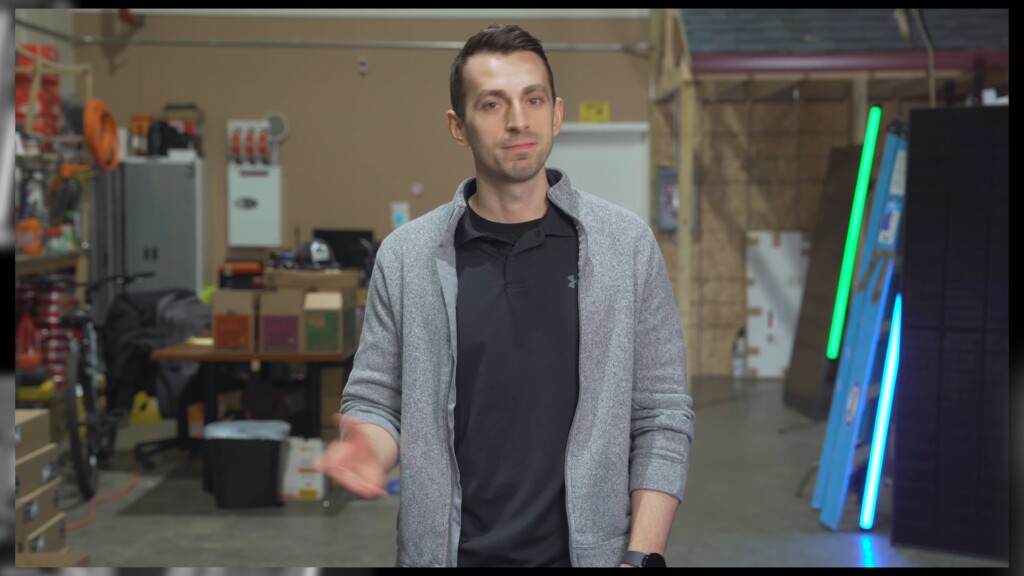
[77, 260]
[51, 262]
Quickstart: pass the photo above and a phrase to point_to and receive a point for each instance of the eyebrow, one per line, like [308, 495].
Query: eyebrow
[501, 93]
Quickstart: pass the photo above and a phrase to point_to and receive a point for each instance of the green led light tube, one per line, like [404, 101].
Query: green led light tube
[853, 233]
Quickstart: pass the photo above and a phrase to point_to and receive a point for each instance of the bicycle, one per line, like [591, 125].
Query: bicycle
[91, 427]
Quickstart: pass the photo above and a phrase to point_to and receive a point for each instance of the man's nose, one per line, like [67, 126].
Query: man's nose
[517, 120]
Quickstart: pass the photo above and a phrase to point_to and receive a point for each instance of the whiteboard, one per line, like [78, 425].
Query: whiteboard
[610, 160]
[776, 273]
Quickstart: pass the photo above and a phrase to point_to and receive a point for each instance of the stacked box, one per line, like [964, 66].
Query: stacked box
[234, 324]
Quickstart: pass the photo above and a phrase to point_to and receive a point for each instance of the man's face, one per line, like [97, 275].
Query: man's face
[511, 119]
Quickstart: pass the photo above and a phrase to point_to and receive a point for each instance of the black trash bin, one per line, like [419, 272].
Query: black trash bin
[245, 459]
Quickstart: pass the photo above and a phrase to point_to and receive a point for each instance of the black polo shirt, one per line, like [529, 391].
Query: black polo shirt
[517, 381]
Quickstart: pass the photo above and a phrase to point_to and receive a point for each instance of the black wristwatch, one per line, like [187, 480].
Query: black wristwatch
[644, 559]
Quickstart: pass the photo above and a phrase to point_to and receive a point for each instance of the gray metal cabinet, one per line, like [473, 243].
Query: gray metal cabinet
[149, 217]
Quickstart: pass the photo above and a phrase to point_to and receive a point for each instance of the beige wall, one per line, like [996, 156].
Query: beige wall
[357, 142]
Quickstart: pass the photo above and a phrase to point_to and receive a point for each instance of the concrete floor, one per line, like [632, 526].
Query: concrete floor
[740, 509]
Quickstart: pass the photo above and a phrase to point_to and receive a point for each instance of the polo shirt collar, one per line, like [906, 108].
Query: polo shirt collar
[555, 222]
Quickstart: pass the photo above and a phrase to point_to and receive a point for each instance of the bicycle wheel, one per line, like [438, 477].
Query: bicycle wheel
[82, 430]
[106, 422]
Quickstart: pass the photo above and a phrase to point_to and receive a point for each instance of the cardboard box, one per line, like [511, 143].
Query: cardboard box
[234, 314]
[31, 431]
[321, 280]
[281, 320]
[301, 480]
[324, 322]
[35, 470]
[35, 509]
[63, 559]
[47, 538]
[345, 318]
[57, 405]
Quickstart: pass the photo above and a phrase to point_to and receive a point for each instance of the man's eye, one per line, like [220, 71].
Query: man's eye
[536, 101]
[490, 105]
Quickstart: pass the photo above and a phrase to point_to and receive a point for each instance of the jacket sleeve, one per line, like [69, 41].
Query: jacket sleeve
[661, 426]
[374, 389]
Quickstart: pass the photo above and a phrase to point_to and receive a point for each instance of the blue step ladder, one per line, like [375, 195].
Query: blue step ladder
[858, 388]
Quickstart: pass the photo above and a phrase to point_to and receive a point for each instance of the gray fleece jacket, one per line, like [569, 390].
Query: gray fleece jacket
[634, 420]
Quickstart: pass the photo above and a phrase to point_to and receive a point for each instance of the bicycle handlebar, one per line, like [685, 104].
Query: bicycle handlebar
[121, 279]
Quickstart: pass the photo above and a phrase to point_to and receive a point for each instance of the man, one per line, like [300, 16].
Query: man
[521, 352]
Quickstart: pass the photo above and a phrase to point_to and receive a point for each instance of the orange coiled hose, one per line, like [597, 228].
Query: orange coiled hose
[101, 134]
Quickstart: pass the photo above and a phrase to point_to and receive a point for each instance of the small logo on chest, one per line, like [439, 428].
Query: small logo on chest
[572, 281]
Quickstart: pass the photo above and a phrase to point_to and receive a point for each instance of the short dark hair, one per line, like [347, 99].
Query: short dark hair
[500, 38]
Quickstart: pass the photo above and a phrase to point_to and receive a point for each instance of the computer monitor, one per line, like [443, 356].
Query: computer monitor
[346, 245]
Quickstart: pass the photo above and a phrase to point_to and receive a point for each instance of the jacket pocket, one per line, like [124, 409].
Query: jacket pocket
[608, 553]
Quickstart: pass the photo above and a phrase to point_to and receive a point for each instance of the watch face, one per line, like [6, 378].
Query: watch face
[654, 560]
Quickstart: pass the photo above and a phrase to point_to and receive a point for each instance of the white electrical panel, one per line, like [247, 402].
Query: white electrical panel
[776, 272]
[254, 206]
[254, 185]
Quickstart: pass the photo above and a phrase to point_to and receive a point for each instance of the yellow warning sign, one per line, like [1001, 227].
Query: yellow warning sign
[595, 111]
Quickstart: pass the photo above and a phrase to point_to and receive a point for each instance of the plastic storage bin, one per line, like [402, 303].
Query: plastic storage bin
[245, 459]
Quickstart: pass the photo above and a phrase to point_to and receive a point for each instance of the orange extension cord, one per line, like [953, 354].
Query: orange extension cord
[107, 498]
[101, 134]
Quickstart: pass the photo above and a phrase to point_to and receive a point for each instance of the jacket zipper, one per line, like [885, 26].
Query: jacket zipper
[452, 468]
[452, 460]
[579, 361]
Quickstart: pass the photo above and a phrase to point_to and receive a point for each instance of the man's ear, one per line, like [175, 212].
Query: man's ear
[557, 117]
[456, 129]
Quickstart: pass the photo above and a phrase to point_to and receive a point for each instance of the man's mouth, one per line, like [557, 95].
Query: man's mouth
[520, 147]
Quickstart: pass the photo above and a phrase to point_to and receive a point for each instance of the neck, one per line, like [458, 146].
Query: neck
[511, 203]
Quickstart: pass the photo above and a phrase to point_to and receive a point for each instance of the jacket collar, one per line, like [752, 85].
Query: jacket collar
[560, 193]
[554, 222]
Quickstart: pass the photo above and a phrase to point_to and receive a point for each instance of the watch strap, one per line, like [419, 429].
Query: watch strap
[634, 558]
